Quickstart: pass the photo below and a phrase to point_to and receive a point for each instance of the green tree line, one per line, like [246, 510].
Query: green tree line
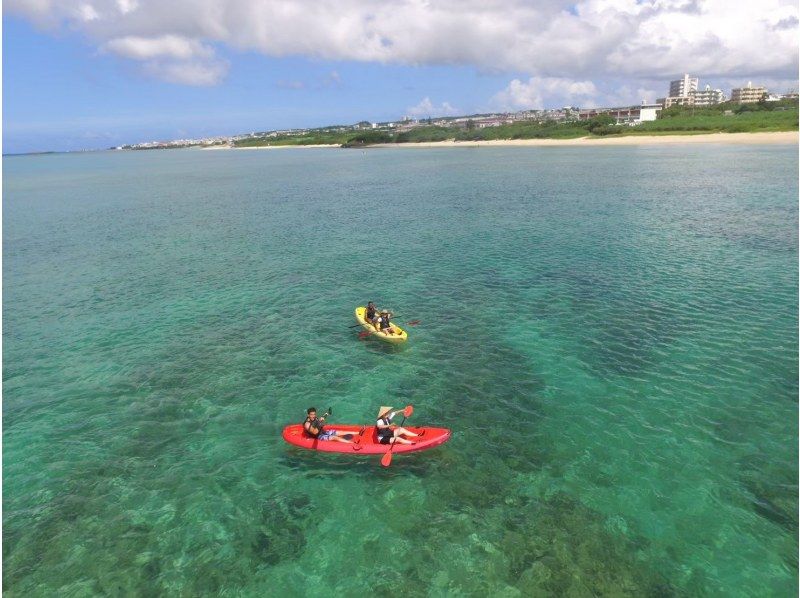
[723, 118]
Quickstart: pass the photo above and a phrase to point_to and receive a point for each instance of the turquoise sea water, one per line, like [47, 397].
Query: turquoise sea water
[611, 333]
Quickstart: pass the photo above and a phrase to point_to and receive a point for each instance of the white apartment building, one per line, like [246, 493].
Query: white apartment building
[676, 101]
[683, 87]
[707, 97]
[749, 94]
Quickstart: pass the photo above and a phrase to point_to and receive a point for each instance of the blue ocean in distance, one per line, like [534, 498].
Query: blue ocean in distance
[610, 332]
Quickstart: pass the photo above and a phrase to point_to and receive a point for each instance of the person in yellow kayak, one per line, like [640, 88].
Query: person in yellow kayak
[315, 427]
[384, 324]
[388, 433]
[371, 313]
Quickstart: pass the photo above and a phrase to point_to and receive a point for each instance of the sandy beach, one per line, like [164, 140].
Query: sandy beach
[266, 147]
[781, 137]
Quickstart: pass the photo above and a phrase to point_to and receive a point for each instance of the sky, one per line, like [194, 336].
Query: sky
[92, 74]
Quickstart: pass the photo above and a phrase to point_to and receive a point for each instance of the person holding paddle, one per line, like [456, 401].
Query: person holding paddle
[314, 426]
[384, 325]
[388, 433]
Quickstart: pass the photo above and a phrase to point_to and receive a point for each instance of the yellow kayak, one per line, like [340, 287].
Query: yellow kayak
[384, 336]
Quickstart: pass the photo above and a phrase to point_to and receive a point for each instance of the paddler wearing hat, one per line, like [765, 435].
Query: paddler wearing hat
[389, 433]
[384, 325]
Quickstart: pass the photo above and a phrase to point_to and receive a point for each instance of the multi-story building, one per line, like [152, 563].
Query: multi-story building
[706, 97]
[681, 92]
[683, 87]
[676, 101]
[626, 115]
[749, 94]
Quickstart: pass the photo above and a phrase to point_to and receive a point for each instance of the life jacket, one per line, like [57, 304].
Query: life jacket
[384, 323]
[385, 433]
[315, 423]
[370, 313]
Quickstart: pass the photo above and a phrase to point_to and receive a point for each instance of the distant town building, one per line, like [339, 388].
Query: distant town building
[649, 112]
[706, 97]
[482, 123]
[547, 115]
[626, 115]
[684, 92]
[676, 101]
[681, 88]
[749, 94]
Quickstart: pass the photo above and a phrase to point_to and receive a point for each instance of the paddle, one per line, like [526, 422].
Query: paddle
[386, 460]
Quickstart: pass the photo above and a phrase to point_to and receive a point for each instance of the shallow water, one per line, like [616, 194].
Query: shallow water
[611, 333]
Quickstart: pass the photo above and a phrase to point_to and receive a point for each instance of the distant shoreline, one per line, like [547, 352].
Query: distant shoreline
[268, 147]
[758, 138]
[762, 138]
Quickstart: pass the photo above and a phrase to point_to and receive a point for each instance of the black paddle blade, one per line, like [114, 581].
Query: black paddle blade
[330, 410]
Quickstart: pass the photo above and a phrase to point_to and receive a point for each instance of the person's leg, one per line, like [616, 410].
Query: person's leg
[340, 439]
[404, 432]
[399, 438]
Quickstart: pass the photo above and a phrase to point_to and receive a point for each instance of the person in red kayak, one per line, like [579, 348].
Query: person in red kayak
[389, 433]
[315, 427]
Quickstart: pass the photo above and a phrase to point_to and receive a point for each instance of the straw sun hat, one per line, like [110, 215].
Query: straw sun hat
[383, 411]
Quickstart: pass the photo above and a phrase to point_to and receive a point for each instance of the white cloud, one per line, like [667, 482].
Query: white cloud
[534, 94]
[126, 6]
[198, 73]
[86, 12]
[172, 46]
[578, 40]
[426, 109]
[171, 58]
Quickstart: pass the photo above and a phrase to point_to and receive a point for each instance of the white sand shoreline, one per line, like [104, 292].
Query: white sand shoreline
[782, 137]
[268, 147]
[771, 138]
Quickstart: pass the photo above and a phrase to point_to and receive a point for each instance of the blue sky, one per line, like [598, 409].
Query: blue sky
[90, 74]
[64, 95]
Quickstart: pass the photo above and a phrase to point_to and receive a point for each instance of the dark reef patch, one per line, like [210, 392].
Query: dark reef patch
[280, 534]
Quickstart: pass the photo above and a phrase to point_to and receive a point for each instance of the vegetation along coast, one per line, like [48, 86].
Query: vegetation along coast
[765, 122]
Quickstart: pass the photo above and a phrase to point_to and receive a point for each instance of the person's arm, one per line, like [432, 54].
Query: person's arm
[311, 429]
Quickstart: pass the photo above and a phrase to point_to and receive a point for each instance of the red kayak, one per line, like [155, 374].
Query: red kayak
[365, 440]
